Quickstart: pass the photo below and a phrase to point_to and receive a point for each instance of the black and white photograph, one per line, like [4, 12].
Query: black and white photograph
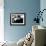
[17, 18]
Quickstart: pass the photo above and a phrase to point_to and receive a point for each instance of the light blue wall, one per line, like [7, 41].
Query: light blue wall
[30, 7]
[43, 6]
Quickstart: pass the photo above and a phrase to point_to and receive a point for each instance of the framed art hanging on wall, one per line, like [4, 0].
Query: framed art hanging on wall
[17, 19]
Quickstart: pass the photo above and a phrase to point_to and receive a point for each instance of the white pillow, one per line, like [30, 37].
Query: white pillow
[20, 42]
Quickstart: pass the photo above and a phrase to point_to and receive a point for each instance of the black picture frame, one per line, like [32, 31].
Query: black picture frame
[17, 19]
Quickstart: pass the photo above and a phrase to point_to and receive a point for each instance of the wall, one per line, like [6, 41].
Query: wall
[30, 7]
[43, 6]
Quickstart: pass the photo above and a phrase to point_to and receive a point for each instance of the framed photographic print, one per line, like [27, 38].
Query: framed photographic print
[17, 19]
